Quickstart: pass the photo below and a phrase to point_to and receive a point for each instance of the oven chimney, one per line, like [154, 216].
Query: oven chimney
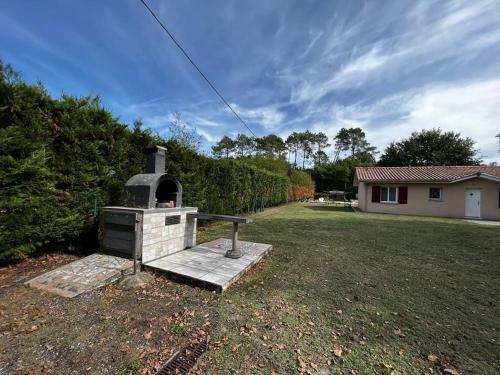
[155, 159]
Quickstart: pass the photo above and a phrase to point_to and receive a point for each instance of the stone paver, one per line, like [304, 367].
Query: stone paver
[82, 275]
[206, 263]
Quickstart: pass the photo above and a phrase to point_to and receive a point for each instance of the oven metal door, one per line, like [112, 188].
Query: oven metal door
[119, 233]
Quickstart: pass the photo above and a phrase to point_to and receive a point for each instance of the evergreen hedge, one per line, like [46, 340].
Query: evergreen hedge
[62, 159]
[224, 186]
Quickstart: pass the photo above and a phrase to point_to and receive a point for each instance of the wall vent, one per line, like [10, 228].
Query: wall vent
[173, 220]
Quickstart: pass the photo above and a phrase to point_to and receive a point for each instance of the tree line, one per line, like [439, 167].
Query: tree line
[427, 147]
[332, 168]
[299, 147]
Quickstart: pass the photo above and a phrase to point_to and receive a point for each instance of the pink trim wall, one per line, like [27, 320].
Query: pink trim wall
[452, 203]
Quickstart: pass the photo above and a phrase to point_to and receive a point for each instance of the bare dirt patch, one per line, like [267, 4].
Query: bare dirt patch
[108, 331]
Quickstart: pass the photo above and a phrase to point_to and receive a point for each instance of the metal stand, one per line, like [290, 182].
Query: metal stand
[235, 251]
[135, 245]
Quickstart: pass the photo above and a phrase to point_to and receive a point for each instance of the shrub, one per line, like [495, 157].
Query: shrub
[275, 165]
[298, 192]
[301, 178]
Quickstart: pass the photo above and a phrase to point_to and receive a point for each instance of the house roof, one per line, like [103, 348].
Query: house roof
[443, 174]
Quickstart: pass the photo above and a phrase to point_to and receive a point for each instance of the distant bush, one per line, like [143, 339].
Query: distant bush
[301, 186]
[335, 176]
[301, 178]
[275, 165]
[298, 192]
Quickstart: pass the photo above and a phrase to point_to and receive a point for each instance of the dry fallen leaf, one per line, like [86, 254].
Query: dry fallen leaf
[451, 371]
[337, 350]
[432, 357]
[399, 333]
[301, 363]
[236, 347]
[148, 335]
[201, 333]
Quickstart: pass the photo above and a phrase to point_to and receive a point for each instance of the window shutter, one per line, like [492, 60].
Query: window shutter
[376, 194]
[403, 195]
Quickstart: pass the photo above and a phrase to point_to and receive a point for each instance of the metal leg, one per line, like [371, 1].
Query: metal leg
[135, 244]
[235, 251]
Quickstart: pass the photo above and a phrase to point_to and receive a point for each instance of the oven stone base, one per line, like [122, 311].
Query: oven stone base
[161, 231]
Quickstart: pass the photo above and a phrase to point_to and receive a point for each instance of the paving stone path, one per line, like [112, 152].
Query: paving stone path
[205, 263]
[83, 275]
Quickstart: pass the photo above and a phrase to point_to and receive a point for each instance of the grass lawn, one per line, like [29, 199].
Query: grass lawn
[341, 292]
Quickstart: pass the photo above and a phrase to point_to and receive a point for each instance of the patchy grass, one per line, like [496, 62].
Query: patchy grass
[340, 292]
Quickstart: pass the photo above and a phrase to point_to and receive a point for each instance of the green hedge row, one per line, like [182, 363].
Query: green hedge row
[63, 159]
[224, 186]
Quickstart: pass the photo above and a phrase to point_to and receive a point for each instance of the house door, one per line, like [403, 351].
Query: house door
[473, 203]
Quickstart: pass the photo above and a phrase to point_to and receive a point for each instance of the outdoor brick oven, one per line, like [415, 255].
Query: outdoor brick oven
[154, 228]
[153, 223]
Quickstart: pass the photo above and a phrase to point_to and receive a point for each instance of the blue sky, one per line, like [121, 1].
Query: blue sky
[390, 67]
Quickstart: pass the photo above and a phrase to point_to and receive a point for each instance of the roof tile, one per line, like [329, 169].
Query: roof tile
[422, 174]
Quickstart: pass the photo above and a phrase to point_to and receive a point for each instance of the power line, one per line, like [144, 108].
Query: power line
[196, 66]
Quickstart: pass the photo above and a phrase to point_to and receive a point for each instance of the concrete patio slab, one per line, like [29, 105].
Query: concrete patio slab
[83, 275]
[205, 264]
[483, 222]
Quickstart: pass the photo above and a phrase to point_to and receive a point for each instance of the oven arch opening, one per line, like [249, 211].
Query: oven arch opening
[168, 192]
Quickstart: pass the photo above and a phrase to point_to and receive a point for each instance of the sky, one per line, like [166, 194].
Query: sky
[390, 67]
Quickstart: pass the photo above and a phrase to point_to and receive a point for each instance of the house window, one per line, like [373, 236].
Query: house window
[435, 193]
[388, 194]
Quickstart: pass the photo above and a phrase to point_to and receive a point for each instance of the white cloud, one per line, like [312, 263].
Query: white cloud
[312, 43]
[470, 108]
[456, 34]
[268, 116]
[390, 71]
[209, 136]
